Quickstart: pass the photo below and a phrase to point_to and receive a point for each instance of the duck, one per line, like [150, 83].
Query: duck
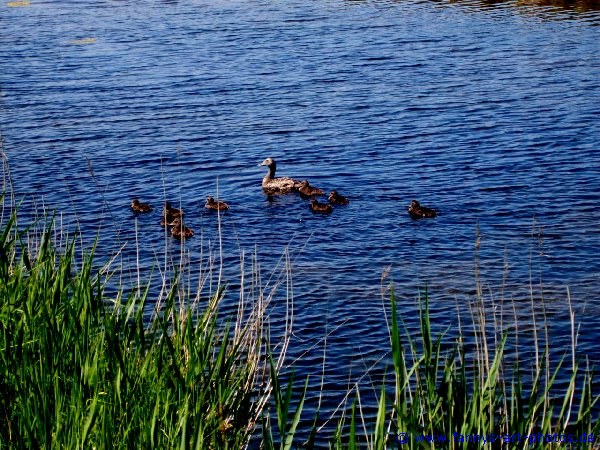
[336, 199]
[170, 214]
[180, 230]
[277, 185]
[322, 208]
[306, 190]
[138, 207]
[217, 205]
[417, 211]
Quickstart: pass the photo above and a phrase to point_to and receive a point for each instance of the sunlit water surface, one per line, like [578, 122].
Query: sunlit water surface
[490, 114]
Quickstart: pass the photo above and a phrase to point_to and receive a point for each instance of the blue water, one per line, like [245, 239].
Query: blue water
[489, 114]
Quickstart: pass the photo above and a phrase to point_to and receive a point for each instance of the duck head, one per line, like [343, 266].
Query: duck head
[176, 222]
[268, 162]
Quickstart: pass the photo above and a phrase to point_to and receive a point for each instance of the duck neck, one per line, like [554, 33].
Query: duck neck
[272, 168]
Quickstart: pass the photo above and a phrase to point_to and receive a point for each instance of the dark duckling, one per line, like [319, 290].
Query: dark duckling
[170, 214]
[169, 210]
[179, 230]
[417, 211]
[307, 191]
[322, 208]
[337, 199]
[277, 185]
[217, 205]
[138, 207]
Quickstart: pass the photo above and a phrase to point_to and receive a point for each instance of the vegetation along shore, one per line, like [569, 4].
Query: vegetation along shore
[83, 369]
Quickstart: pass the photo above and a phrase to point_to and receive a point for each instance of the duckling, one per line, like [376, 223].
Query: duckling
[277, 185]
[217, 205]
[306, 190]
[179, 230]
[337, 199]
[168, 209]
[322, 208]
[417, 211]
[138, 207]
[170, 214]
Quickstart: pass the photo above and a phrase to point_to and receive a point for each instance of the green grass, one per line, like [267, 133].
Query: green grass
[82, 368]
[454, 397]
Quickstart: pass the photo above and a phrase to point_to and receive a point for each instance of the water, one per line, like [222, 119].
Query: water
[488, 113]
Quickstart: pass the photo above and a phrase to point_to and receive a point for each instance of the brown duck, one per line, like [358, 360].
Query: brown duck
[277, 185]
[170, 214]
[179, 230]
[337, 199]
[322, 208]
[417, 211]
[216, 205]
[138, 207]
[306, 190]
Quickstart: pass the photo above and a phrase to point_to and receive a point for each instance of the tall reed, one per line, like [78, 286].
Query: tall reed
[445, 396]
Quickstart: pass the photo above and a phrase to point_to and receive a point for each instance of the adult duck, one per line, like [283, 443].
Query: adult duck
[138, 207]
[216, 205]
[179, 230]
[417, 211]
[336, 199]
[322, 208]
[277, 185]
[307, 191]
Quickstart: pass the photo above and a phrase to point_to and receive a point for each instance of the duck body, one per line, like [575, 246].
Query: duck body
[138, 207]
[215, 205]
[277, 185]
[417, 211]
[337, 199]
[322, 208]
[180, 230]
[306, 190]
